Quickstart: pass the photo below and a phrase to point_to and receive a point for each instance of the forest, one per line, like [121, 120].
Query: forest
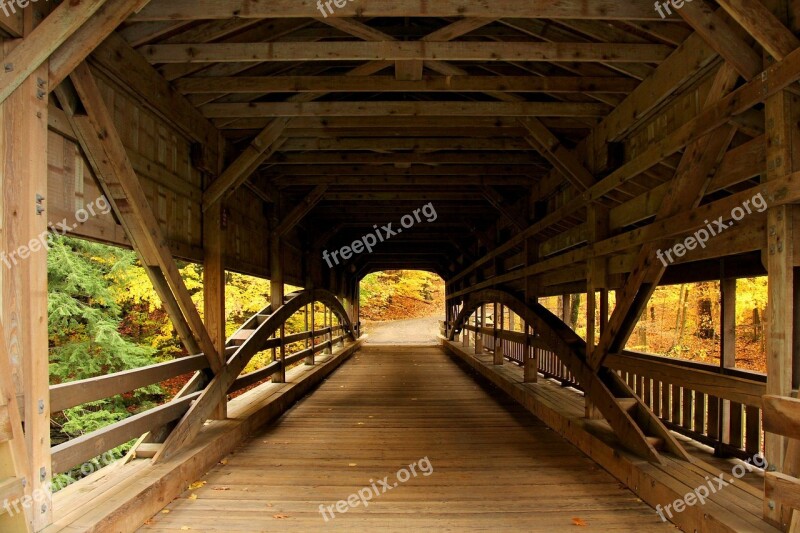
[105, 317]
[683, 322]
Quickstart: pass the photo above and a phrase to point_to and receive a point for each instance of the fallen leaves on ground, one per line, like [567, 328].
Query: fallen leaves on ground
[578, 522]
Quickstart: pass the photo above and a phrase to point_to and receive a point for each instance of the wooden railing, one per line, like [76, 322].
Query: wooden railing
[317, 338]
[721, 408]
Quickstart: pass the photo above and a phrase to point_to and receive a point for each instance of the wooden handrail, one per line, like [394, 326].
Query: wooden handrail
[94, 444]
[67, 395]
[735, 389]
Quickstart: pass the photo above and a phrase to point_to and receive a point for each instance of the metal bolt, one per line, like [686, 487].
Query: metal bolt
[40, 83]
[42, 473]
[39, 198]
[44, 508]
[41, 407]
[40, 94]
[39, 210]
[9, 67]
[772, 504]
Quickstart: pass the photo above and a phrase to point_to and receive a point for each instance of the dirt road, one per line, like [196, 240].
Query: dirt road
[410, 331]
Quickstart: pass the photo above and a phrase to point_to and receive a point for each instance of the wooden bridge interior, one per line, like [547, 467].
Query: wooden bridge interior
[519, 149]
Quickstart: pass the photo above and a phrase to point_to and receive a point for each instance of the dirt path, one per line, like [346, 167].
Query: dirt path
[409, 331]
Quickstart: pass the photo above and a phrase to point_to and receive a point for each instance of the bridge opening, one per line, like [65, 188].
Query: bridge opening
[402, 307]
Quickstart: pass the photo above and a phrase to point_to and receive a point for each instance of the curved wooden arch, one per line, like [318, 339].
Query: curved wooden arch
[190, 425]
[638, 428]
[544, 323]
[295, 301]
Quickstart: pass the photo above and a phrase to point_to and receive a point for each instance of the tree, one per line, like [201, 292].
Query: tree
[84, 332]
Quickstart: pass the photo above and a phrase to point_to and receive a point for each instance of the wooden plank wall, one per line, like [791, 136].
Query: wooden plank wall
[161, 155]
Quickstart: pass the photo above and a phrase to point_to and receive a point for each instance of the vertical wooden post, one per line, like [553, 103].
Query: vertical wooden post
[727, 350]
[330, 330]
[531, 368]
[498, 342]
[313, 330]
[465, 332]
[309, 321]
[532, 289]
[479, 320]
[214, 286]
[23, 300]
[277, 294]
[596, 273]
[781, 112]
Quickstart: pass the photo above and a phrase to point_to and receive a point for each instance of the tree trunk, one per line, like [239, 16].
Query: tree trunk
[705, 326]
[575, 311]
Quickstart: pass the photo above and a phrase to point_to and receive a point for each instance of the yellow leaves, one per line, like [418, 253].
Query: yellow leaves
[198, 485]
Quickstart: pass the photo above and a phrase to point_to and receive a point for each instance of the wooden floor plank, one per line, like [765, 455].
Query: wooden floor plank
[495, 466]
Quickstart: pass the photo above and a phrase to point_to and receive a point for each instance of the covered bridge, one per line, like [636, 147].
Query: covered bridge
[520, 149]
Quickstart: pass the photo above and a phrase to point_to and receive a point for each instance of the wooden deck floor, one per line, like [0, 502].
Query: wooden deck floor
[494, 466]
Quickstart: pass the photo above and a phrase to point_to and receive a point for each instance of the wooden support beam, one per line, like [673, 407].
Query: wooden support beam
[103, 146]
[301, 210]
[721, 37]
[259, 150]
[83, 42]
[214, 240]
[405, 51]
[14, 463]
[562, 159]
[782, 415]
[37, 46]
[497, 201]
[349, 84]
[404, 109]
[546, 9]
[597, 222]
[23, 292]
[782, 114]
[752, 15]
[387, 144]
